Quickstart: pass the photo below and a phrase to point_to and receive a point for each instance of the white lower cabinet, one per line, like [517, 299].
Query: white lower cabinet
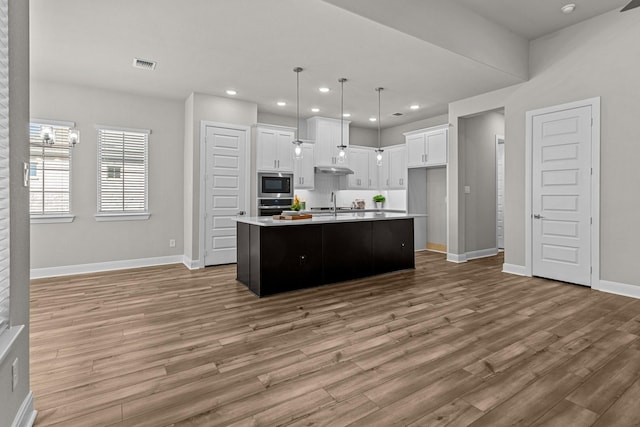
[303, 169]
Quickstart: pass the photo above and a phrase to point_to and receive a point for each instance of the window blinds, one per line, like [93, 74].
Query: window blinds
[4, 167]
[50, 173]
[123, 170]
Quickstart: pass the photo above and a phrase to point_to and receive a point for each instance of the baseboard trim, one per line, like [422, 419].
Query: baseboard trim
[482, 253]
[26, 415]
[68, 270]
[457, 258]
[190, 263]
[519, 270]
[623, 289]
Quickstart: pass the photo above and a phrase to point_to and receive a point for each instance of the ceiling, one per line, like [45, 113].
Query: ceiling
[534, 18]
[252, 46]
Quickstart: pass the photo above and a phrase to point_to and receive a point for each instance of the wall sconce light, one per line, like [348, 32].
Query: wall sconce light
[47, 135]
[74, 136]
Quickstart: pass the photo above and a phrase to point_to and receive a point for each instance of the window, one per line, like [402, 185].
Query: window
[4, 170]
[123, 173]
[50, 169]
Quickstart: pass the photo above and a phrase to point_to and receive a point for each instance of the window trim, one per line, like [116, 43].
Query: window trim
[104, 216]
[54, 217]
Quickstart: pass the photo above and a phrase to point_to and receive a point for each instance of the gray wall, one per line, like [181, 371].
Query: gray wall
[200, 107]
[118, 240]
[394, 135]
[363, 136]
[19, 217]
[437, 205]
[479, 173]
[597, 57]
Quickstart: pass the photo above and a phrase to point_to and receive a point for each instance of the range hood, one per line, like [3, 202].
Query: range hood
[333, 170]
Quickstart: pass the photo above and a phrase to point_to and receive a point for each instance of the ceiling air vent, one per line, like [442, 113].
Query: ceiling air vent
[144, 64]
[397, 114]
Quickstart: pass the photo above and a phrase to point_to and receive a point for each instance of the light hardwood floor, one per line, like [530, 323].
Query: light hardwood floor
[444, 344]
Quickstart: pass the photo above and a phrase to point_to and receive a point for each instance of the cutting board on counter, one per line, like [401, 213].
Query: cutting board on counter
[293, 217]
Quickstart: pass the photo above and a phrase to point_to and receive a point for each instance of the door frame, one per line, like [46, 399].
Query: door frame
[203, 176]
[594, 103]
[498, 139]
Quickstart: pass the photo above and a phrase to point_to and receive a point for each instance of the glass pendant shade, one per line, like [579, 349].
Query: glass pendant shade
[297, 151]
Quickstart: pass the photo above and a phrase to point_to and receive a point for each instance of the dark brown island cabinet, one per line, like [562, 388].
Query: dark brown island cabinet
[275, 258]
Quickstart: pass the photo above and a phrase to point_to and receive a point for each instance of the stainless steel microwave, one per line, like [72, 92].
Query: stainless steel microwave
[275, 185]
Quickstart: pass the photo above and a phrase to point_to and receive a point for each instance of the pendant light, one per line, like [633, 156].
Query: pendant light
[297, 151]
[379, 151]
[342, 153]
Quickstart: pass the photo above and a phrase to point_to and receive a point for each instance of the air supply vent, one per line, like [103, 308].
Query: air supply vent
[144, 64]
[397, 114]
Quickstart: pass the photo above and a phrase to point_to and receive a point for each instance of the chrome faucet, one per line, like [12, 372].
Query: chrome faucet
[333, 201]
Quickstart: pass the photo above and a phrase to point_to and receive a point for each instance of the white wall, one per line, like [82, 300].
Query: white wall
[598, 57]
[85, 241]
[11, 401]
[199, 107]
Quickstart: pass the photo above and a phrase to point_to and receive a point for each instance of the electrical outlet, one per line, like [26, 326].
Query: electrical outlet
[172, 243]
[14, 373]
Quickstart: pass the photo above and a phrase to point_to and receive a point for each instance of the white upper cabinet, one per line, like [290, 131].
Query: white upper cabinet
[359, 163]
[427, 147]
[304, 174]
[326, 134]
[374, 171]
[393, 172]
[274, 148]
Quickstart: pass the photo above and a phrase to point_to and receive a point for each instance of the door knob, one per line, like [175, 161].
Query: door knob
[538, 216]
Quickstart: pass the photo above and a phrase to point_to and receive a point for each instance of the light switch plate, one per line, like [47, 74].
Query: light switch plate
[467, 189]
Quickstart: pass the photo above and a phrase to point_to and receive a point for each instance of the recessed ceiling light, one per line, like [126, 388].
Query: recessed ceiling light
[415, 107]
[315, 110]
[281, 103]
[568, 8]
[372, 119]
[231, 92]
[346, 115]
[324, 89]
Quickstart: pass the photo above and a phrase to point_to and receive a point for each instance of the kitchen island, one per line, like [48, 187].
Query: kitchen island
[283, 255]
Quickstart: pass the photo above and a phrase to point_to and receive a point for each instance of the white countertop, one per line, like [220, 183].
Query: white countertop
[266, 221]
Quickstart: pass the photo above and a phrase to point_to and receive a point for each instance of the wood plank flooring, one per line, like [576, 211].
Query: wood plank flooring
[442, 345]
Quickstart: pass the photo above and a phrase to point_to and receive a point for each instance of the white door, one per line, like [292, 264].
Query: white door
[225, 192]
[500, 192]
[561, 195]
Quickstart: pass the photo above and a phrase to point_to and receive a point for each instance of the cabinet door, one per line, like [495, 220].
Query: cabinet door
[384, 171]
[359, 162]
[290, 258]
[437, 148]
[325, 143]
[416, 150]
[285, 151]
[393, 245]
[374, 171]
[346, 251]
[304, 175]
[267, 150]
[398, 168]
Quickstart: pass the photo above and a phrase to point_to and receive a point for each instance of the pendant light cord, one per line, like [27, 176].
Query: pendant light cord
[342, 80]
[297, 70]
